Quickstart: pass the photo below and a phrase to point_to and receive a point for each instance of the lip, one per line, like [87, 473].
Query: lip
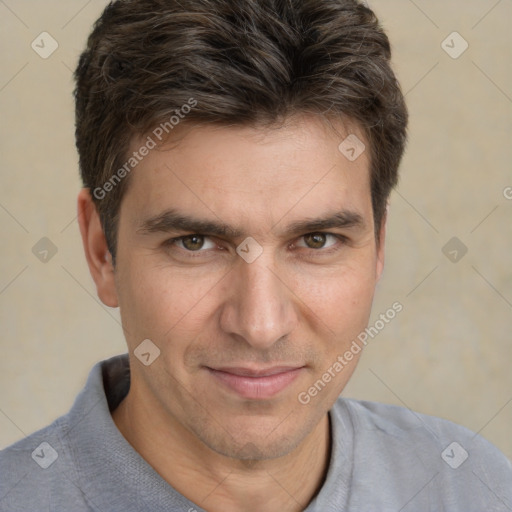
[256, 384]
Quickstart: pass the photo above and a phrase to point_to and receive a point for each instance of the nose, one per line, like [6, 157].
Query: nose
[259, 307]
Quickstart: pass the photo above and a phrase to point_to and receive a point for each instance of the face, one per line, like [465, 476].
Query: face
[249, 259]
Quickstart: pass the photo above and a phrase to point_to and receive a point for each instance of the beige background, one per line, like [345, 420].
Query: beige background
[448, 353]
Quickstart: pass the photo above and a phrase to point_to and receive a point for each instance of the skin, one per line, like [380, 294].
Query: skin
[299, 304]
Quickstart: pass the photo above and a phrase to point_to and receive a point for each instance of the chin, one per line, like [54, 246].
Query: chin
[253, 439]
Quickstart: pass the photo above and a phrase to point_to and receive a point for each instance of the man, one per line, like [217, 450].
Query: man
[237, 158]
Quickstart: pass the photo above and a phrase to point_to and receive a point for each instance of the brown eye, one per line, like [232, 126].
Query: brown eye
[193, 242]
[315, 240]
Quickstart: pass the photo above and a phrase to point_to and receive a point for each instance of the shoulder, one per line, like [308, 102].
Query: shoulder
[39, 472]
[403, 423]
[403, 450]
[407, 427]
[396, 420]
[39, 464]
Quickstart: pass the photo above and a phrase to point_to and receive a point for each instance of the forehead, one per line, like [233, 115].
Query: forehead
[244, 174]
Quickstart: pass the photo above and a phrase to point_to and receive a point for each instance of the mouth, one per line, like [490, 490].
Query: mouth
[256, 384]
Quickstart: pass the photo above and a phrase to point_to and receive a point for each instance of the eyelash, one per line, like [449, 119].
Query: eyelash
[342, 240]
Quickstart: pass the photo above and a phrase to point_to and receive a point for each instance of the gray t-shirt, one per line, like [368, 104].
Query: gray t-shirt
[384, 458]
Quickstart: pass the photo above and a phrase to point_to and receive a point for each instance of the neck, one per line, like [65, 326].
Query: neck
[222, 484]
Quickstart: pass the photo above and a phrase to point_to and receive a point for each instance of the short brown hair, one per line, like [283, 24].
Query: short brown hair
[241, 62]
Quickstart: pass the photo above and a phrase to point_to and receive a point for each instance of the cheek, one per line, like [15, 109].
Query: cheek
[339, 303]
[158, 302]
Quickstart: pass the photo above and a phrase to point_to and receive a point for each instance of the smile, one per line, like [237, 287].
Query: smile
[256, 384]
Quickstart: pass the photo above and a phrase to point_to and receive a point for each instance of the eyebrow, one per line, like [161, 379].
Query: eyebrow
[174, 221]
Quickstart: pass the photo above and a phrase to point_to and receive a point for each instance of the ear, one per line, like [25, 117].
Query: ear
[382, 244]
[96, 251]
